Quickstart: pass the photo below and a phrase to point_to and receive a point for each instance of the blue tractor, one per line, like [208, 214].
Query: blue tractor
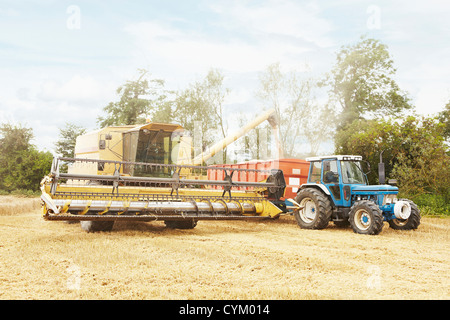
[337, 190]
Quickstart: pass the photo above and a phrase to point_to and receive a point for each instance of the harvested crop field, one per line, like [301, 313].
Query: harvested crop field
[217, 260]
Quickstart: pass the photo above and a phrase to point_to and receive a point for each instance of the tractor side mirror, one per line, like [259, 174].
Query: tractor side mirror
[392, 182]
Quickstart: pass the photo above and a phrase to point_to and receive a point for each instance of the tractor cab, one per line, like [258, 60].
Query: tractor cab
[337, 190]
[342, 177]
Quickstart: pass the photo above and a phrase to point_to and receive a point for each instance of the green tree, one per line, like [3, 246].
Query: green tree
[65, 146]
[368, 138]
[414, 152]
[203, 101]
[423, 165]
[362, 82]
[138, 100]
[22, 166]
[444, 118]
[302, 120]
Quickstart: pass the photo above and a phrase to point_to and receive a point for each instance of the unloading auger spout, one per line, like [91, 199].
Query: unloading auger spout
[155, 192]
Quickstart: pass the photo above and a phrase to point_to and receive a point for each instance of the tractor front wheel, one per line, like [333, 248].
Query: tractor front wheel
[407, 224]
[316, 210]
[366, 218]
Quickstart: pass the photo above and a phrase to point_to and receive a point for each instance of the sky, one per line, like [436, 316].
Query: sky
[61, 61]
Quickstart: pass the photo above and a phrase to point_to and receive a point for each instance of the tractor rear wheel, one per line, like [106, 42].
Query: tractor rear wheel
[366, 218]
[316, 212]
[407, 224]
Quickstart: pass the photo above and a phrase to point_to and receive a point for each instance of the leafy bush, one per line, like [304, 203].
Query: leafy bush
[432, 204]
[22, 166]
[414, 152]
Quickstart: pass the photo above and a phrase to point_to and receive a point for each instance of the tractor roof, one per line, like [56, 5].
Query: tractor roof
[336, 157]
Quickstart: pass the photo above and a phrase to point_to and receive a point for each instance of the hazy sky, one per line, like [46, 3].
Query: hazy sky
[61, 61]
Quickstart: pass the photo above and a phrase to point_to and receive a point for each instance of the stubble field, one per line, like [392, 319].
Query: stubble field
[217, 260]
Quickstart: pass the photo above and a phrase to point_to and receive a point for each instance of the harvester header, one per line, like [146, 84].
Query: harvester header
[155, 192]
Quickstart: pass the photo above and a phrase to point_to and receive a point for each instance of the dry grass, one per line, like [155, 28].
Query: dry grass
[217, 260]
[13, 205]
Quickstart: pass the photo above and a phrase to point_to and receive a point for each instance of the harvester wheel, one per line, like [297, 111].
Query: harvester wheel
[366, 218]
[94, 226]
[181, 224]
[408, 224]
[316, 210]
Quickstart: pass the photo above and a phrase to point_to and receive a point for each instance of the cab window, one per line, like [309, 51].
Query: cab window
[330, 171]
[352, 173]
[314, 174]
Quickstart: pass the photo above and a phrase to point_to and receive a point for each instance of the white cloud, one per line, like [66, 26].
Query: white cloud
[431, 98]
[193, 53]
[76, 89]
[250, 39]
[7, 116]
[46, 103]
[425, 76]
[292, 19]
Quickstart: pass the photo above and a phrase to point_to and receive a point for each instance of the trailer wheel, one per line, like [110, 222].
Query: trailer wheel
[366, 218]
[407, 224]
[317, 209]
[95, 226]
[181, 224]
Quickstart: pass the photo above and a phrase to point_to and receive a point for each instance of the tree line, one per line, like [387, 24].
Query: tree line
[365, 112]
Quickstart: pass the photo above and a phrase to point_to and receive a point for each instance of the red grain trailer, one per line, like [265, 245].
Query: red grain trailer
[295, 172]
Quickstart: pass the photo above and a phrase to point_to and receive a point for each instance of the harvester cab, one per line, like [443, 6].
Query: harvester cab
[157, 143]
[337, 190]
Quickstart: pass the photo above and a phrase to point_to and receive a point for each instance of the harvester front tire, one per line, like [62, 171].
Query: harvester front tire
[366, 218]
[408, 224]
[317, 209]
[181, 224]
[95, 226]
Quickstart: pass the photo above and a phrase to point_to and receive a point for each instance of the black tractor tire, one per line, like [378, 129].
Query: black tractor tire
[95, 226]
[366, 217]
[317, 209]
[181, 224]
[408, 224]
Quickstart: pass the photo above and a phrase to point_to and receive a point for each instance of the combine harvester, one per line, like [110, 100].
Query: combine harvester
[146, 172]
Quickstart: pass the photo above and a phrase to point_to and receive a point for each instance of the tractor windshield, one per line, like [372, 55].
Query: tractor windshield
[352, 173]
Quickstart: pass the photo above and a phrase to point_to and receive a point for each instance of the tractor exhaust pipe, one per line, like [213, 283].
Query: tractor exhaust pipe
[381, 170]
